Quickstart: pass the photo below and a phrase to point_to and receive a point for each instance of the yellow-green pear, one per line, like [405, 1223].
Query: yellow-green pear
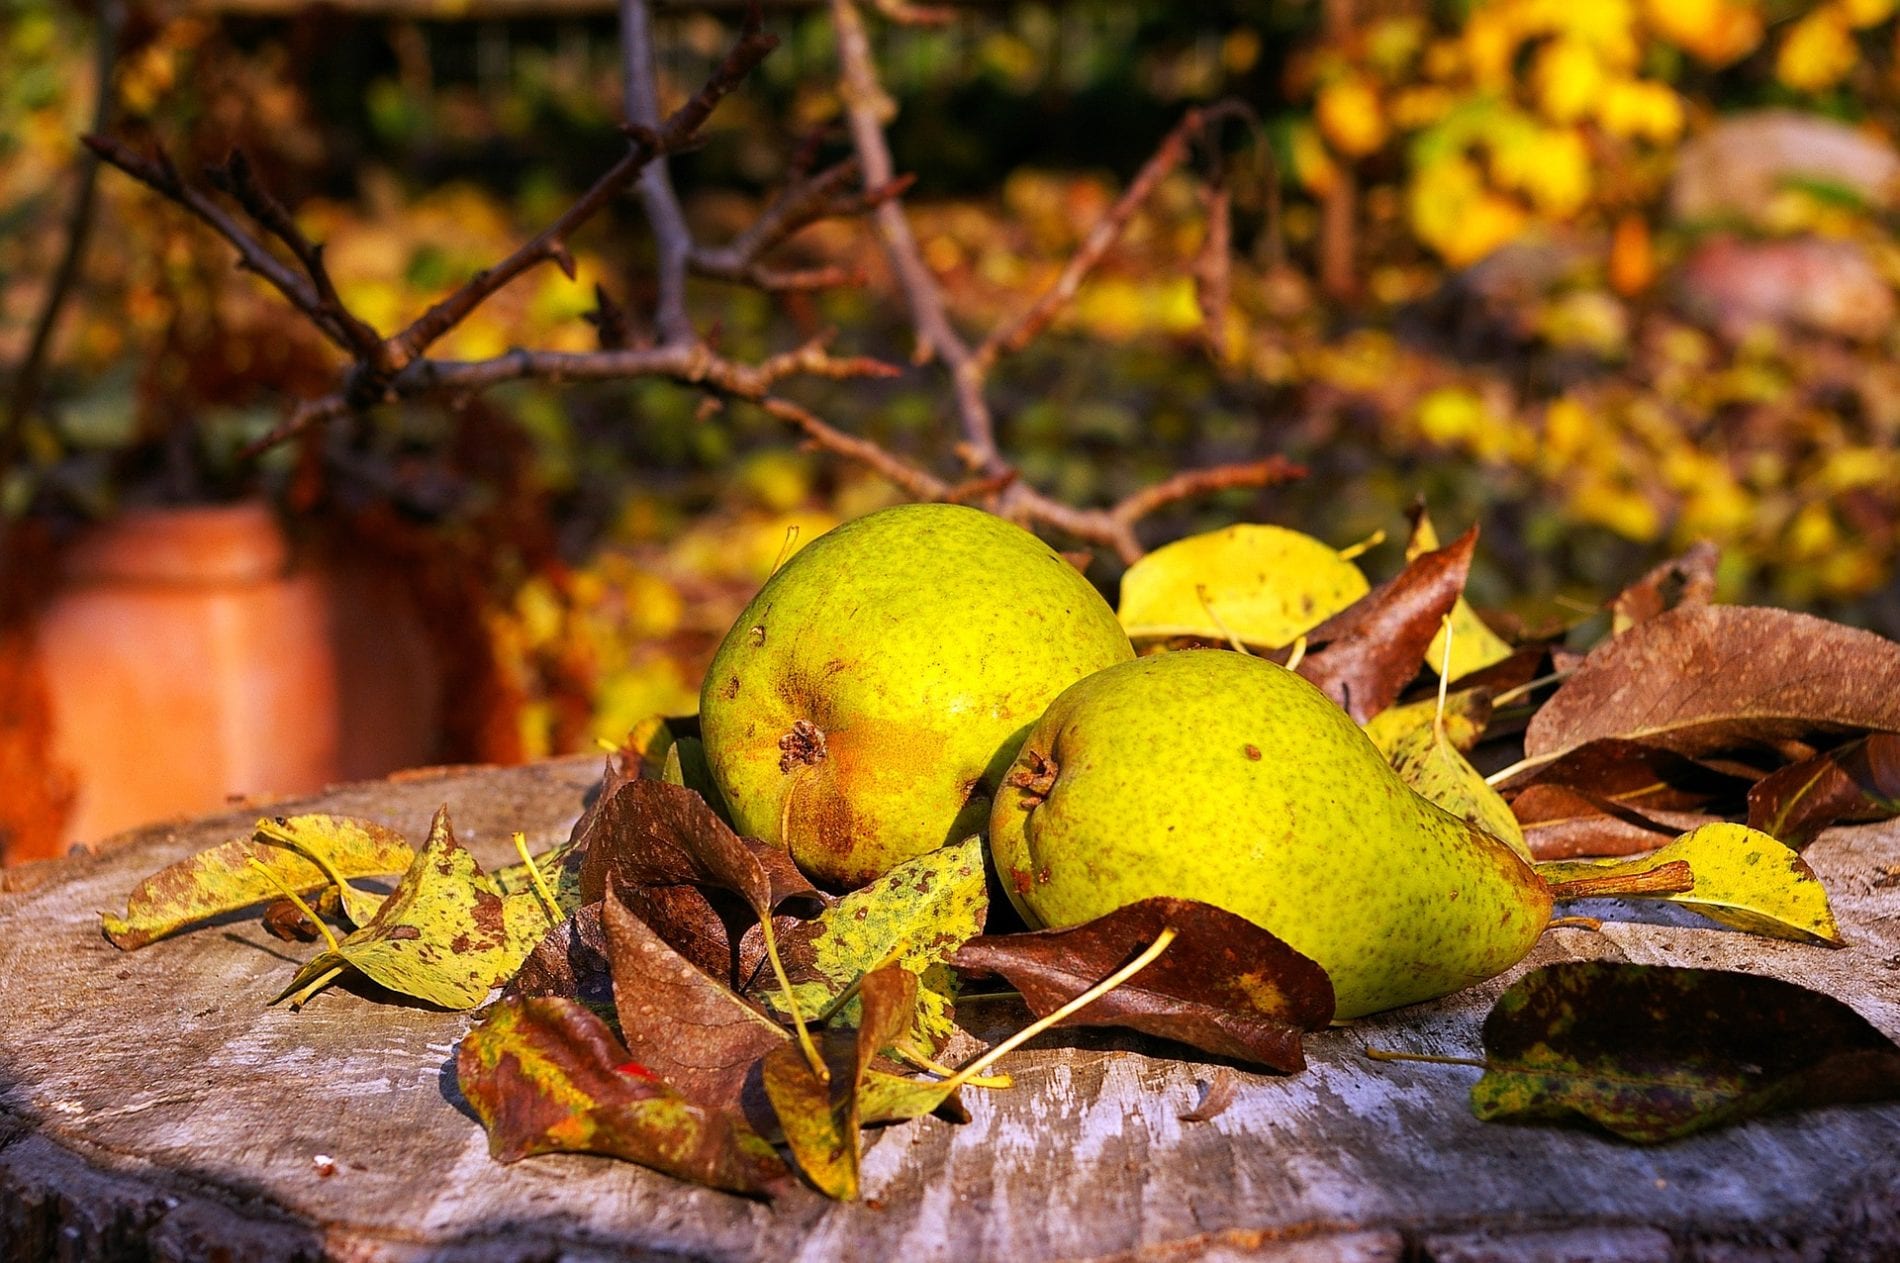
[866, 704]
[1221, 777]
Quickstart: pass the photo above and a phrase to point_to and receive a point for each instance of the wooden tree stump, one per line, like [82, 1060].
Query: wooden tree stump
[153, 1107]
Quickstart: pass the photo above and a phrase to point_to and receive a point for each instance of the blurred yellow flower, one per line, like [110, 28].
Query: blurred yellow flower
[1350, 117]
[1715, 31]
[1568, 79]
[1818, 51]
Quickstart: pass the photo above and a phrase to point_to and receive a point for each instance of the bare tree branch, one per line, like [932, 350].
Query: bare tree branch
[918, 484]
[672, 242]
[867, 107]
[551, 243]
[1172, 151]
[158, 174]
[26, 384]
[804, 202]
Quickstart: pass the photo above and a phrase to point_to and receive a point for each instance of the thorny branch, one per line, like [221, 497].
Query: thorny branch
[393, 367]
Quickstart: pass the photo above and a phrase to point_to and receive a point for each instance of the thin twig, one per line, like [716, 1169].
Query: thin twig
[1172, 151]
[551, 243]
[867, 107]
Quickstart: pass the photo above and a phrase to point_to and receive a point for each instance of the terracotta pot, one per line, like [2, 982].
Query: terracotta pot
[185, 664]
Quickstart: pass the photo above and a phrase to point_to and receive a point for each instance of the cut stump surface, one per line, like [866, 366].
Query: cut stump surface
[152, 1106]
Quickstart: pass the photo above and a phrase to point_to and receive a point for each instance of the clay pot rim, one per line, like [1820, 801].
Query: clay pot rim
[189, 545]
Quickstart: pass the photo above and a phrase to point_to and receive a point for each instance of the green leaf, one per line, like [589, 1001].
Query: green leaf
[545, 1075]
[1652, 1053]
[223, 879]
[1265, 584]
[444, 935]
[916, 915]
[1744, 879]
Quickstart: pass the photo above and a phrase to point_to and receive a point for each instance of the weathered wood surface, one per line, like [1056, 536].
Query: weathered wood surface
[152, 1107]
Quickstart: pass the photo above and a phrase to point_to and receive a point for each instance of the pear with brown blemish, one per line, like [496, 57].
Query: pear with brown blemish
[1216, 776]
[864, 707]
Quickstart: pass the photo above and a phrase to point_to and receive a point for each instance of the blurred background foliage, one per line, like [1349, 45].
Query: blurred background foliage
[1608, 277]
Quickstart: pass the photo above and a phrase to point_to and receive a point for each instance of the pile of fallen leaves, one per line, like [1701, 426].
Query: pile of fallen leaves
[683, 997]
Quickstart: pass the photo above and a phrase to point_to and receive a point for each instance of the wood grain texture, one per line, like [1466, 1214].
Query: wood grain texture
[151, 1107]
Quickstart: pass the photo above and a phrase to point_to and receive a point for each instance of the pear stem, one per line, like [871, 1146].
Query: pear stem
[1672, 878]
[1079, 1003]
[931, 1066]
[540, 882]
[1381, 1054]
[805, 1045]
[302, 907]
[1200, 590]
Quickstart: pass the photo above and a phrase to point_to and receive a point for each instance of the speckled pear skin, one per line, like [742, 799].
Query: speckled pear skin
[867, 702]
[1216, 776]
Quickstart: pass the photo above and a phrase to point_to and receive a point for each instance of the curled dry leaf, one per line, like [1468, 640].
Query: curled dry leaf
[681, 1024]
[223, 879]
[443, 935]
[1651, 1053]
[1857, 781]
[1474, 646]
[569, 962]
[1224, 985]
[1372, 649]
[1685, 580]
[1744, 879]
[546, 1075]
[1265, 584]
[649, 833]
[1711, 677]
[915, 916]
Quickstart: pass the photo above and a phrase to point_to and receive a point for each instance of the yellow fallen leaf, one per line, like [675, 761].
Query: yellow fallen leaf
[1265, 584]
[1474, 646]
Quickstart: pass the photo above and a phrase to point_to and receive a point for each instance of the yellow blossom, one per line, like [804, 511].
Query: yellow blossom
[1817, 52]
[1350, 117]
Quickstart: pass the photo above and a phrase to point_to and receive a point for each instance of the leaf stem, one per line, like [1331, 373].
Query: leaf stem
[1444, 682]
[1298, 655]
[932, 1066]
[1381, 1054]
[540, 882]
[1574, 923]
[1080, 1002]
[1200, 590]
[297, 899]
[1363, 547]
[805, 1044]
[275, 832]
